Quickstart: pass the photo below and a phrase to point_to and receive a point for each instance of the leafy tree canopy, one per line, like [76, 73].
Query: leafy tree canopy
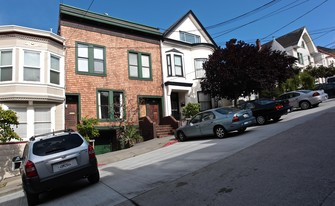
[241, 69]
[321, 71]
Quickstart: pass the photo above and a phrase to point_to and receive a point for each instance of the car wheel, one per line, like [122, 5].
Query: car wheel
[276, 119]
[181, 136]
[94, 178]
[219, 132]
[260, 120]
[32, 199]
[242, 130]
[305, 105]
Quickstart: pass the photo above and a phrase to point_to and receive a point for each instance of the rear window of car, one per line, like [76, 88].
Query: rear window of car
[227, 110]
[56, 144]
[265, 101]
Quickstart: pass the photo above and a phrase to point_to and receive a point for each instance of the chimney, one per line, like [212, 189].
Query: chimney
[258, 44]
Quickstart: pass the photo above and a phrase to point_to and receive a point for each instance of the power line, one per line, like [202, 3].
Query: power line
[244, 15]
[295, 19]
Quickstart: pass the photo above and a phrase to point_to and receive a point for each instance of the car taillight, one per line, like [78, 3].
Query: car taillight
[278, 107]
[316, 94]
[235, 119]
[91, 152]
[30, 169]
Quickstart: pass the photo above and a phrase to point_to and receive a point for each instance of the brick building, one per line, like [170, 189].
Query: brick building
[112, 69]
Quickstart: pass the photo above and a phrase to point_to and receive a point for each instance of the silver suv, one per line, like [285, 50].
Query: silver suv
[52, 160]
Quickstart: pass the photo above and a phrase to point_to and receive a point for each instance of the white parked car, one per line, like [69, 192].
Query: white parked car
[304, 99]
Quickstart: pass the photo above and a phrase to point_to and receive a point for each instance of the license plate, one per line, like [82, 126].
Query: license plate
[64, 165]
[245, 115]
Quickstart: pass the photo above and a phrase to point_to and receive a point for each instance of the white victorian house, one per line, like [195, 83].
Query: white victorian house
[32, 78]
[185, 46]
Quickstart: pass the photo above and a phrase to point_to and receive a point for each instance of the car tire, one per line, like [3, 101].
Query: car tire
[94, 178]
[220, 132]
[32, 199]
[305, 105]
[181, 136]
[260, 120]
[242, 130]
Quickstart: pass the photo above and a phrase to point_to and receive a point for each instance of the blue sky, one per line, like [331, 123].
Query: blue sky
[223, 19]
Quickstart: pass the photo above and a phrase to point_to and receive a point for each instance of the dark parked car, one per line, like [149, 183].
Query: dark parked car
[328, 88]
[267, 109]
[217, 122]
[53, 160]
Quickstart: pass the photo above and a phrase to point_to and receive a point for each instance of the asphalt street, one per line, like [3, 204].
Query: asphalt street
[295, 167]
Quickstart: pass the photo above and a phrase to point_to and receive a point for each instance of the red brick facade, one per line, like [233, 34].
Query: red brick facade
[117, 45]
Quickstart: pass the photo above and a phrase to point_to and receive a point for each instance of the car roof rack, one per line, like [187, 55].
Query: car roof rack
[53, 133]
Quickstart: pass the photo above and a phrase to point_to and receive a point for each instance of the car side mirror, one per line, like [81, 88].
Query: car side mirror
[16, 162]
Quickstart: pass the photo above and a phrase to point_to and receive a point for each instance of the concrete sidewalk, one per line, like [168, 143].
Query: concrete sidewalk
[13, 184]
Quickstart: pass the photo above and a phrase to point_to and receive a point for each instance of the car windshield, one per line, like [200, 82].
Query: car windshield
[56, 144]
[227, 110]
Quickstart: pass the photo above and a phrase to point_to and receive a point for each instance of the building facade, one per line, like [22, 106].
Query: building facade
[32, 78]
[113, 69]
[185, 47]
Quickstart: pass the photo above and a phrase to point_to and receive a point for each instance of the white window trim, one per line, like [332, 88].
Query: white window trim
[61, 69]
[13, 63]
[172, 55]
[42, 62]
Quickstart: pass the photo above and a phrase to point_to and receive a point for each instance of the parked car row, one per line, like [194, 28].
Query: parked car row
[220, 121]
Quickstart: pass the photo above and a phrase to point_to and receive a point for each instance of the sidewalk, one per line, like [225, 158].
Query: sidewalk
[13, 184]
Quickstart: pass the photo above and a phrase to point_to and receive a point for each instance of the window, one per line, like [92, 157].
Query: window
[6, 67]
[42, 122]
[139, 65]
[204, 101]
[174, 60]
[169, 66]
[31, 67]
[54, 70]
[178, 65]
[90, 59]
[198, 65]
[21, 114]
[300, 58]
[110, 105]
[189, 38]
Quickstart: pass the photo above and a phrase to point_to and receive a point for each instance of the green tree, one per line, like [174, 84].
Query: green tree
[190, 110]
[87, 128]
[8, 119]
[242, 69]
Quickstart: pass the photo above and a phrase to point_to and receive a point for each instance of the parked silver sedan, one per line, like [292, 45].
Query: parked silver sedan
[304, 99]
[217, 122]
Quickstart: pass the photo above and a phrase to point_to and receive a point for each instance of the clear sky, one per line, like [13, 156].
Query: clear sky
[223, 19]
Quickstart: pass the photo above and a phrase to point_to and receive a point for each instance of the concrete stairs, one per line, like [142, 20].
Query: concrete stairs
[164, 130]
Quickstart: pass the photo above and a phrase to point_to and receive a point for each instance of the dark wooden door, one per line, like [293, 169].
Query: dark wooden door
[71, 112]
[175, 105]
[152, 107]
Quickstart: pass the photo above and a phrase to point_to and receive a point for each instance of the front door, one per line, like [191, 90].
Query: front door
[175, 105]
[71, 112]
[152, 109]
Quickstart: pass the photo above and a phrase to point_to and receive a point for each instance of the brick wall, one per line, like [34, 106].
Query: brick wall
[117, 47]
[7, 152]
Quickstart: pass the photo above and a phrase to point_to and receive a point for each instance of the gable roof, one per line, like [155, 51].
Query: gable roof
[273, 45]
[328, 51]
[74, 12]
[191, 15]
[291, 39]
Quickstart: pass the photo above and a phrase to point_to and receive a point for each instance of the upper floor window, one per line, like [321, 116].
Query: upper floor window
[54, 70]
[110, 105]
[174, 61]
[204, 101]
[90, 59]
[31, 66]
[139, 65]
[189, 38]
[6, 66]
[300, 58]
[198, 65]
[303, 44]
